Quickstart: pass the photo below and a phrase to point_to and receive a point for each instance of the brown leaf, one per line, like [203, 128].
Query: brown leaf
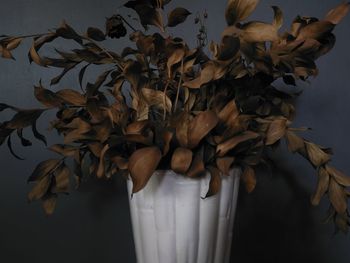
[61, 180]
[49, 204]
[46, 97]
[238, 10]
[65, 150]
[276, 131]
[176, 56]
[338, 13]
[14, 43]
[224, 164]
[249, 179]
[315, 30]
[340, 177]
[182, 126]
[259, 32]
[278, 17]
[177, 16]
[181, 160]
[197, 167]
[40, 189]
[71, 97]
[44, 168]
[229, 113]
[215, 181]
[101, 167]
[337, 196]
[322, 186]
[200, 126]
[295, 143]
[157, 98]
[142, 164]
[6, 53]
[228, 145]
[316, 155]
[34, 56]
[148, 15]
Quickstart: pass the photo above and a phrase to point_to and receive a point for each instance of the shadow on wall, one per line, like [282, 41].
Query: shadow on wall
[277, 223]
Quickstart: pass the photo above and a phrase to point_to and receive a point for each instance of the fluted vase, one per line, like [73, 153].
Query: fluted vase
[173, 223]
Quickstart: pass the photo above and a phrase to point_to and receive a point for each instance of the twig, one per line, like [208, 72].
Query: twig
[179, 85]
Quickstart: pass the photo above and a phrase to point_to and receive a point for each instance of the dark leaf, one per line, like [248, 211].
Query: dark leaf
[177, 16]
[249, 179]
[322, 186]
[40, 189]
[95, 34]
[49, 203]
[337, 14]
[37, 134]
[43, 169]
[9, 145]
[238, 10]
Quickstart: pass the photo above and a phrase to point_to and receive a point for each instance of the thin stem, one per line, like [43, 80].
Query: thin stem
[164, 99]
[179, 86]
[104, 51]
[127, 23]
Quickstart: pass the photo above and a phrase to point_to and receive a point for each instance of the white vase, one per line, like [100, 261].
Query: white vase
[173, 224]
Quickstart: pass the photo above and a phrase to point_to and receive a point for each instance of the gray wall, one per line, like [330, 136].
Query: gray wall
[274, 224]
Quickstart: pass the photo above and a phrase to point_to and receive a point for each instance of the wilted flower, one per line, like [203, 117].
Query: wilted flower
[115, 27]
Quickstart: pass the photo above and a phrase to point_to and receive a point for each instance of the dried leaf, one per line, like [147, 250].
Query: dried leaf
[46, 97]
[224, 164]
[259, 32]
[276, 131]
[71, 97]
[142, 164]
[40, 189]
[278, 17]
[200, 126]
[95, 34]
[65, 150]
[181, 160]
[322, 186]
[197, 167]
[337, 196]
[316, 155]
[249, 179]
[44, 168]
[177, 16]
[49, 204]
[157, 98]
[315, 30]
[223, 148]
[295, 143]
[148, 15]
[338, 13]
[238, 10]
[101, 167]
[340, 177]
[61, 180]
[215, 181]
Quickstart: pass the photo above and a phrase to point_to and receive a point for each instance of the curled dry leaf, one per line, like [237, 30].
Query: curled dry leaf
[215, 181]
[294, 142]
[44, 168]
[142, 164]
[40, 189]
[71, 97]
[101, 167]
[278, 17]
[238, 10]
[224, 164]
[197, 167]
[249, 179]
[177, 16]
[61, 184]
[181, 160]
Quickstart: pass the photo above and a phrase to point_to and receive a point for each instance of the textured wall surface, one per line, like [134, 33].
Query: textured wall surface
[276, 223]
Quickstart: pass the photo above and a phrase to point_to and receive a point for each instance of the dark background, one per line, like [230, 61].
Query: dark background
[276, 223]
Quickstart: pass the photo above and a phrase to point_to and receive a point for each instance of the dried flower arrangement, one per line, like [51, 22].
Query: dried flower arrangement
[181, 109]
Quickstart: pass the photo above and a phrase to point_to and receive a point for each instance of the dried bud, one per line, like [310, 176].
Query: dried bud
[196, 20]
[205, 14]
[115, 27]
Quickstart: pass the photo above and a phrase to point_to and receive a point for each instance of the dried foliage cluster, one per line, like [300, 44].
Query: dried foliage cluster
[188, 111]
